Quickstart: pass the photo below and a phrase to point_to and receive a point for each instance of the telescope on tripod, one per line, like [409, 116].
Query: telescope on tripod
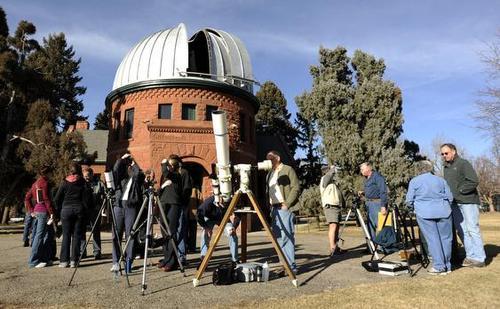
[224, 179]
[108, 203]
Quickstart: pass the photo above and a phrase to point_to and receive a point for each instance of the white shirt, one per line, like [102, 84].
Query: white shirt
[275, 195]
[127, 190]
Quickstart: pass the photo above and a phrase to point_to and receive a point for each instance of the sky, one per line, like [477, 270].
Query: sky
[431, 48]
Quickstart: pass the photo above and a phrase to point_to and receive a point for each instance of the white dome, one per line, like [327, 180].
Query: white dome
[167, 54]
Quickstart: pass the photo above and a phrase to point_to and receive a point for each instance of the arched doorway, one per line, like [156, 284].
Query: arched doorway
[197, 173]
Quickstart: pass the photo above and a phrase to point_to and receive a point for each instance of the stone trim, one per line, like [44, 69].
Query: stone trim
[172, 129]
[187, 82]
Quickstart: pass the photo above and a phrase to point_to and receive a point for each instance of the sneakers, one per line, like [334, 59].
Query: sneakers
[41, 265]
[72, 264]
[115, 267]
[472, 263]
[337, 251]
[63, 264]
[435, 272]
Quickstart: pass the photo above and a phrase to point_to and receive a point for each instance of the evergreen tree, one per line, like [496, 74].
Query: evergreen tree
[102, 120]
[359, 116]
[273, 116]
[55, 62]
[46, 144]
[309, 167]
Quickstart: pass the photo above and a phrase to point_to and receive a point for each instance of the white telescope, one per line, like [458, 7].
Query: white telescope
[222, 148]
[110, 182]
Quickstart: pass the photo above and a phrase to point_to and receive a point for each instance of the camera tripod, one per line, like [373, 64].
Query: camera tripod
[359, 217]
[408, 237]
[220, 230]
[150, 197]
[108, 203]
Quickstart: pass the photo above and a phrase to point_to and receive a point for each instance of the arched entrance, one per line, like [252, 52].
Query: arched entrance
[197, 173]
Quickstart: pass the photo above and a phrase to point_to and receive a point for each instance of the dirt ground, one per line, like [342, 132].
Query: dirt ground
[320, 278]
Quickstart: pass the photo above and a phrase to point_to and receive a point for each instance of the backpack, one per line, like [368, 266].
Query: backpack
[330, 195]
[224, 274]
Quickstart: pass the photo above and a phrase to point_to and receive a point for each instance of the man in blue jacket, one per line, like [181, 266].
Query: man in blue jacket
[375, 193]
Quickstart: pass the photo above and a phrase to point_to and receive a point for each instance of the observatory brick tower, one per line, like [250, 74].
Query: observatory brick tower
[164, 92]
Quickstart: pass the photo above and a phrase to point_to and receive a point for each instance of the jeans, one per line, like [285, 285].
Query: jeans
[438, 234]
[96, 235]
[207, 235]
[182, 233]
[466, 220]
[125, 217]
[72, 225]
[284, 231]
[40, 246]
[28, 227]
[373, 208]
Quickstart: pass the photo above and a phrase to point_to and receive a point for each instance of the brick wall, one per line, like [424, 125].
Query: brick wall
[154, 139]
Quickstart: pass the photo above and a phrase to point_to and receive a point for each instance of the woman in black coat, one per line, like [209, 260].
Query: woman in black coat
[71, 202]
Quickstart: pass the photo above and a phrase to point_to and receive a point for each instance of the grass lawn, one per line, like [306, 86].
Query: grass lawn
[463, 288]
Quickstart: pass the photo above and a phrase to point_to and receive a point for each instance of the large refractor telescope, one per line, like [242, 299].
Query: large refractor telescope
[222, 149]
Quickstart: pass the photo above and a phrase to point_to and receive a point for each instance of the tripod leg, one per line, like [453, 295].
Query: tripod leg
[166, 230]
[133, 232]
[116, 238]
[367, 234]
[280, 253]
[148, 237]
[215, 240]
[98, 219]
[344, 225]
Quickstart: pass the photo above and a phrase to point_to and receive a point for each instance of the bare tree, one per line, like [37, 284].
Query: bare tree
[435, 156]
[489, 179]
[488, 106]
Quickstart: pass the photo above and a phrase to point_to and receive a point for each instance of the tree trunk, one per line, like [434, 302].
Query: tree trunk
[5, 217]
[6, 210]
[491, 205]
[6, 146]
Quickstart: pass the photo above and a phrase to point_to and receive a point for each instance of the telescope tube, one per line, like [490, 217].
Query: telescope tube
[222, 148]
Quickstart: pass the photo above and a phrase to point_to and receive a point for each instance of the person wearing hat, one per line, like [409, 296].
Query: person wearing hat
[332, 201]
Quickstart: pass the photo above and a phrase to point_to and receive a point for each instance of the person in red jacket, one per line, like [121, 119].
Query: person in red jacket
[37, 202]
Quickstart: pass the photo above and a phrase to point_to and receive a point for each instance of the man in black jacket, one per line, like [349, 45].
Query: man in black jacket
[128, 195]
[463, 182]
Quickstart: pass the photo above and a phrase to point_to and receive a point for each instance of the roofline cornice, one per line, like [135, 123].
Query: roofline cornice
[184, 82]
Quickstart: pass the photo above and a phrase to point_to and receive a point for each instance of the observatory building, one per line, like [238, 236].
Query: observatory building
[164, 92]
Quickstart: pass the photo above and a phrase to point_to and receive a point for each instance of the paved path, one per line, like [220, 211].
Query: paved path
[94, 285]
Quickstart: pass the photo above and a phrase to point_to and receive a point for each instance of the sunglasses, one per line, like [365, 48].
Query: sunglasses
[444, 153]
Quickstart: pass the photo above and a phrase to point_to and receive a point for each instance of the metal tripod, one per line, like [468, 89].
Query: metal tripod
[220, 230]
[107, 203]
[422, 258]
[357, 214]
[150, 198]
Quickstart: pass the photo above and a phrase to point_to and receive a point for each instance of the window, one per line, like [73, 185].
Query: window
[243, 129]
[116, 126]
[129, 123]
[165, 111]
[188, 111]
[208, 112]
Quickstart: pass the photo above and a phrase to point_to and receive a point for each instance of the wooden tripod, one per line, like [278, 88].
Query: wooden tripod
[220, 230]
